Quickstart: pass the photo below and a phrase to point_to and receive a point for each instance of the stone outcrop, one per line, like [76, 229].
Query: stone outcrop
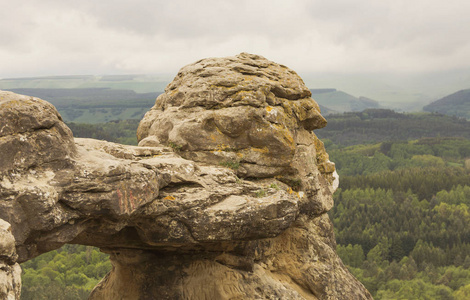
[248, 113]
[10, 271]
[224, 198]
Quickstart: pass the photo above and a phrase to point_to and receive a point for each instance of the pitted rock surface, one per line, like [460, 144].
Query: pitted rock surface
[248, 113]
[10, 271]
[224, 198]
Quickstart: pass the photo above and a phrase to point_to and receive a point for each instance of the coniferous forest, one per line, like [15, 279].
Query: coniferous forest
[401, 214]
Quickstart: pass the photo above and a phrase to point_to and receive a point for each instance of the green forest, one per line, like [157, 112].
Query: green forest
[401, 214]
[69, 273]
[122, 131]
[384, 125]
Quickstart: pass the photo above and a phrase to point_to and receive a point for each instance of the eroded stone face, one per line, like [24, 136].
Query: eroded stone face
[247, 113]
[224, 198]
[243, 109]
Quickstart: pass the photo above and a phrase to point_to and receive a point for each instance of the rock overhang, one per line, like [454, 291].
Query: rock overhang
[221, 120]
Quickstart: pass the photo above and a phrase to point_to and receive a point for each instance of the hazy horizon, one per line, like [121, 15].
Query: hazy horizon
[397, 91]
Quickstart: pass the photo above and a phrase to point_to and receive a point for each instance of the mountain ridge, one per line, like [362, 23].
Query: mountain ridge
[336, 101]
[456, 104]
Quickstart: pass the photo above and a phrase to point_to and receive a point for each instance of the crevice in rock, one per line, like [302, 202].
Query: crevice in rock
[175, 186]
[31, 131]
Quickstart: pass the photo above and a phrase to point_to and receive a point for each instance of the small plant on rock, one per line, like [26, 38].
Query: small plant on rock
[234, 165]
[175, 146]
[260, 193]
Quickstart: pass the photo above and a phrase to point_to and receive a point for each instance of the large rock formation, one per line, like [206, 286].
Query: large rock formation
[224, 198]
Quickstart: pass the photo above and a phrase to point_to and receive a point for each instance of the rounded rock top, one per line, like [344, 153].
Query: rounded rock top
[244, 111]
[245, 79]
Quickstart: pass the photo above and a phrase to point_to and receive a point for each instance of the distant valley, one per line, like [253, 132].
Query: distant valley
[100, 99]
[94, 105]
[93, 99]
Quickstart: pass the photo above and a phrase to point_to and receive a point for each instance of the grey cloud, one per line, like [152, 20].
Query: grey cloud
[15, 30]
[220, 19]
[390, 24]
[160, 36]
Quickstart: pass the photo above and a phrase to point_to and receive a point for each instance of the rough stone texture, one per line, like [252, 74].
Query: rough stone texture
[10, 271]
[300, 263]
[248, 112]
[224, 198]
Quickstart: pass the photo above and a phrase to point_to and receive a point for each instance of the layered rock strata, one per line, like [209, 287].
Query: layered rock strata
[224, 198]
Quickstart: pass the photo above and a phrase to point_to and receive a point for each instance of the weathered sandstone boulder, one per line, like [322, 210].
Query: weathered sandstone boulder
[224, 198]
[248, 113]
[10, 271]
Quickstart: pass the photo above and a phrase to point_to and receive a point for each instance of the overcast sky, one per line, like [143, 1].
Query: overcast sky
[61, 37]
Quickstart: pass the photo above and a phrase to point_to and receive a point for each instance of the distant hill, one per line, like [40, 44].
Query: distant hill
[137, 83]
[379, 125]
[400, 91]
[334, 101]
[94, 105]
[457, 104]
[326, 111]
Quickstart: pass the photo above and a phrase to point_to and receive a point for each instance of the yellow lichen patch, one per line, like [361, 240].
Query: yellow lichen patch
[289, 117]
[291, 191]
[263, 150]
[173, 92]
[326, 167]
[286, 134]
[219, 131]
[169, 198]
[269, 108]
[248, 77]
[221, 147]
[287, 105]
[322, 156]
